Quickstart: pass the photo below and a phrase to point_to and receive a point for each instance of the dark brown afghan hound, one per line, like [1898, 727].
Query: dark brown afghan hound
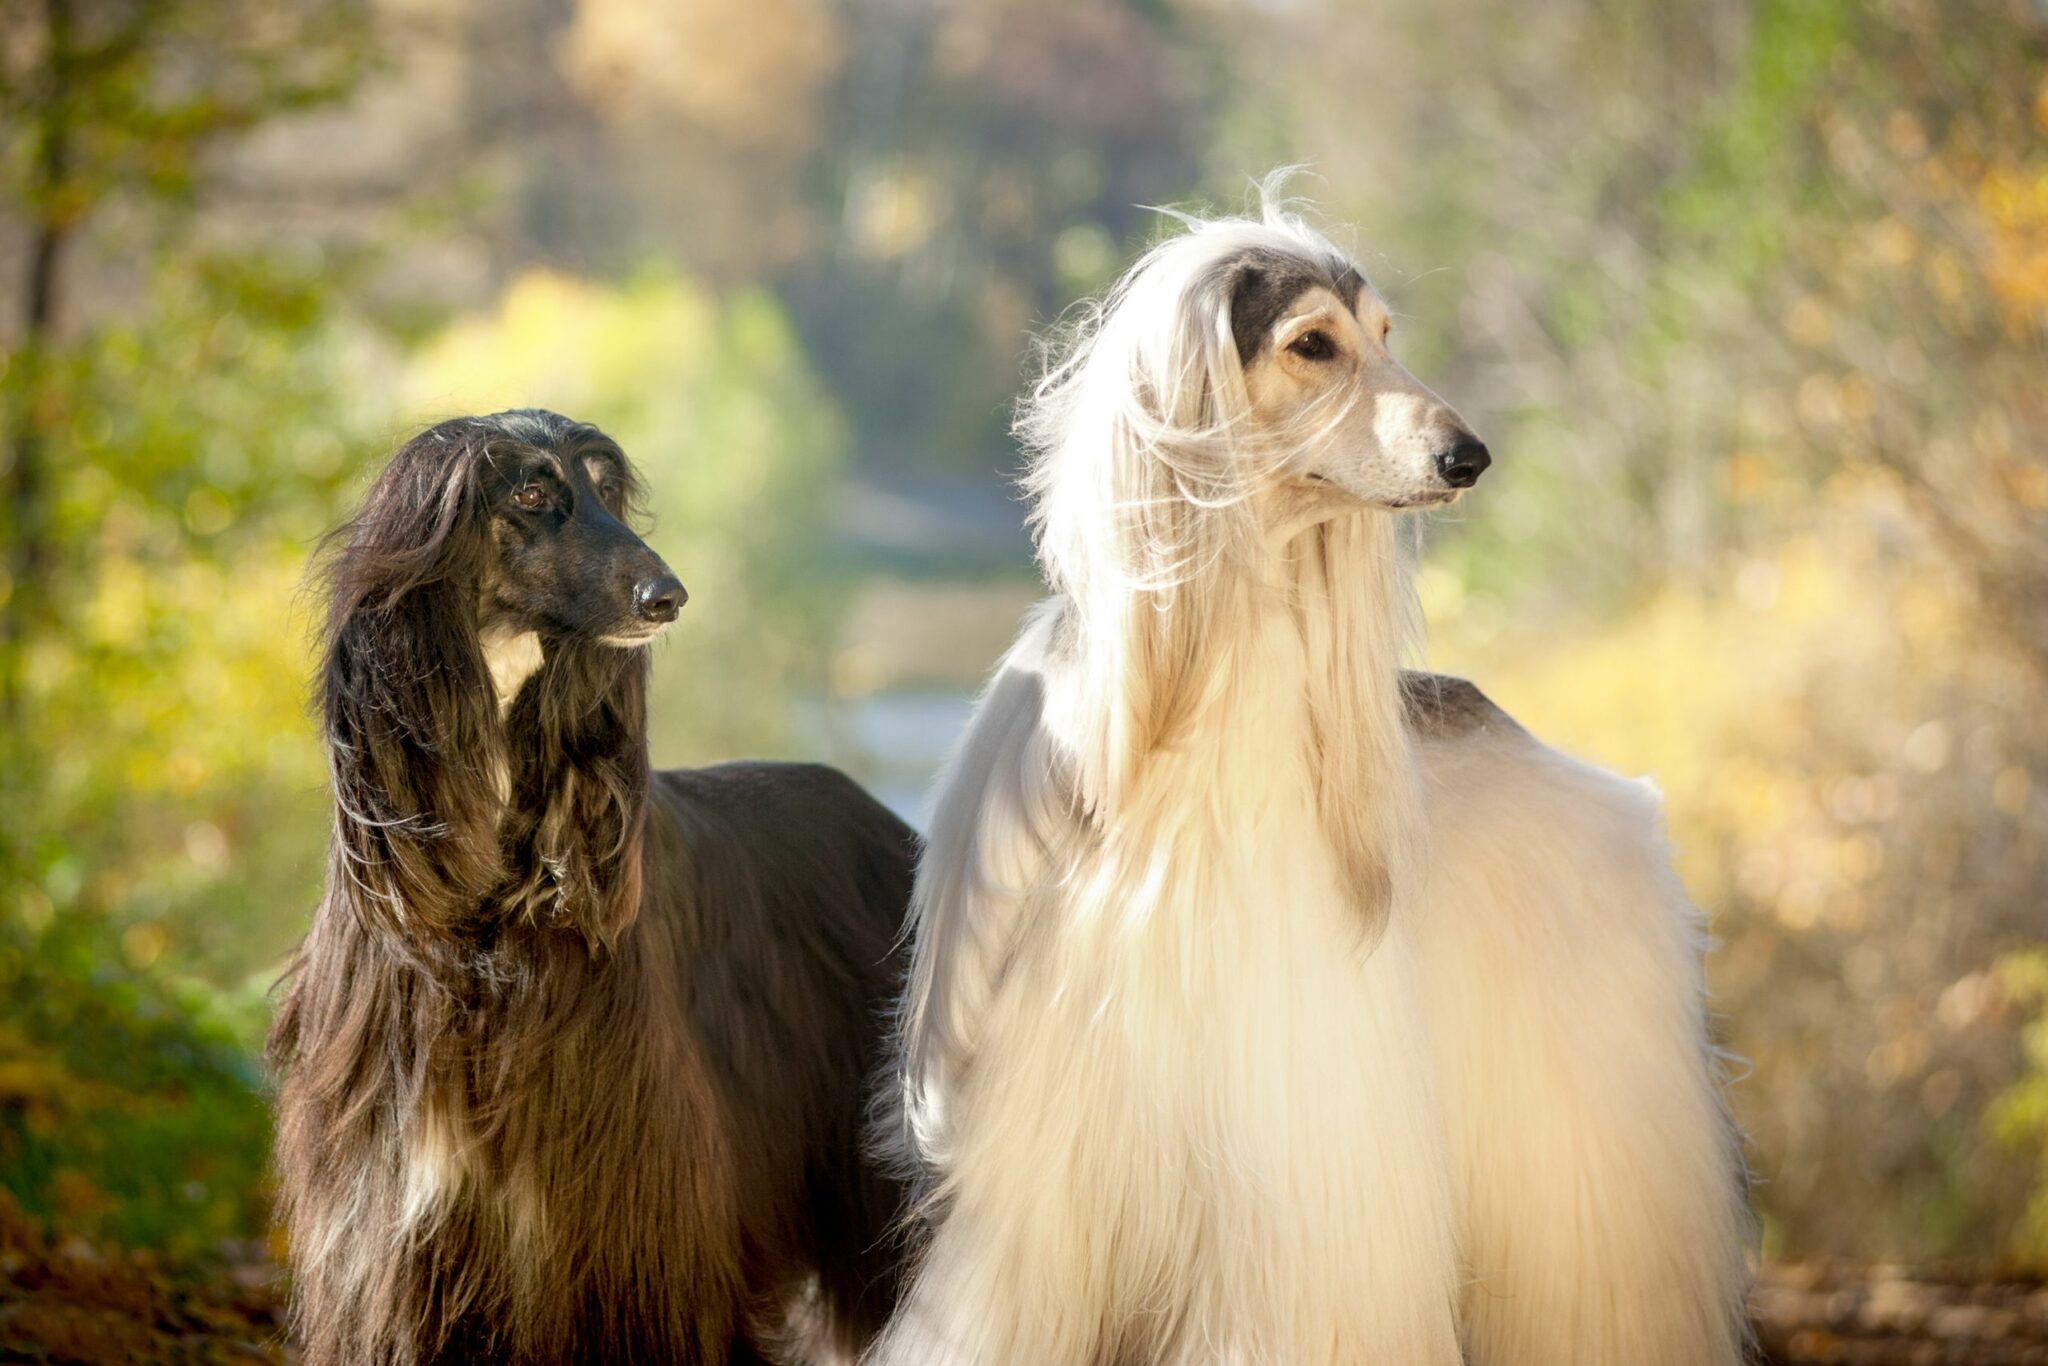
[574, 1058]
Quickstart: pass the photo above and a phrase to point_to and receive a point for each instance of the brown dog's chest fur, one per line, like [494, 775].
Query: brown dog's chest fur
[537, 1153]
[541, 1165]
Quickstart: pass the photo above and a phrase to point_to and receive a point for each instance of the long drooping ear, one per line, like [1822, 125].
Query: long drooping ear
[572, 831]
[1140, 490]
[1359, 618]
[408, 711]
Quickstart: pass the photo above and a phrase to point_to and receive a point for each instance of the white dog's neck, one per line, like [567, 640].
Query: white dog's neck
[1254, 731]
[1293, 698]
[1316, 703]
[1292, 510]
[1343, 592]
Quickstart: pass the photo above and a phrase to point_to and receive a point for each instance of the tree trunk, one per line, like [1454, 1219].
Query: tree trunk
[29, 558]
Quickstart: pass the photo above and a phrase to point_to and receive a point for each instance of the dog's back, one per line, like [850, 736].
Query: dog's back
[798, 881]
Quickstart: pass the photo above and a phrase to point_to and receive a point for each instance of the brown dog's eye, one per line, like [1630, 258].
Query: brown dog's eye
[1386, 329]
[1312, 346]
[530, 496]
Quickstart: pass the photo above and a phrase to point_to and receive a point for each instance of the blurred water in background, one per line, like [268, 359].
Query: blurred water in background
[892, 742]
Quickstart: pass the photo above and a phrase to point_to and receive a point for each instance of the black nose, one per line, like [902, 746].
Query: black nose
[1463, 463]
[659, 598]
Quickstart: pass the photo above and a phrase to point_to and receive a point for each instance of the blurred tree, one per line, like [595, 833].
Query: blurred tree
[145, 432]
[105, 98]
[920, 184]
[990, 163]
[747, 75]
[174, 433]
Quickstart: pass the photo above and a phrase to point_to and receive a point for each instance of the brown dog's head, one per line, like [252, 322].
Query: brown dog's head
[483, 689]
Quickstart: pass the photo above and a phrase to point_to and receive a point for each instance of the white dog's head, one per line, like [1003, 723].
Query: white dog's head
[1228, 421]
[1343, 421]
[1234, 384]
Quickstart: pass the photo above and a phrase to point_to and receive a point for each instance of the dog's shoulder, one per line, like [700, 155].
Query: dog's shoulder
[771, 797]
[1441, 707]
[766, 781]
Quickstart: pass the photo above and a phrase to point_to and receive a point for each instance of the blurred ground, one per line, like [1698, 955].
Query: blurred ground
[1889, 1316]
[70, 1301]
[74, 1303]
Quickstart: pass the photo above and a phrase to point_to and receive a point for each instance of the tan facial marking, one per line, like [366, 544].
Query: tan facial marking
[1356, 427]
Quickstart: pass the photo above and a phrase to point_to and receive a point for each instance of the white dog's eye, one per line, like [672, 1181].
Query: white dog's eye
[1313, 345]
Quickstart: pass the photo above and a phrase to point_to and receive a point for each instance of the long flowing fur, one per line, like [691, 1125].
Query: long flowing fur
[415, 740]
[1193, 1069]
[1143, 475]
[573, 1055]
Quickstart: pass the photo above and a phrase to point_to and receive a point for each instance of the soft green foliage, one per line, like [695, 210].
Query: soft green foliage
[162, 802]
[2021, 1115]
[132, 93]
[129, 1102]
[161, 464]
[199, 449]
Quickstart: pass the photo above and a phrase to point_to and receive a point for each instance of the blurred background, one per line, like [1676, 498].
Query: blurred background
[1748, 296]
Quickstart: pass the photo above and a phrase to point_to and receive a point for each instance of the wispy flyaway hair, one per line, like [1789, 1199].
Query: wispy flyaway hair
[1144, 463]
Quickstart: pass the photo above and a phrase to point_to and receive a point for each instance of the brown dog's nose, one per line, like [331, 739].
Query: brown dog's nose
[1463, 463]
[660, 598]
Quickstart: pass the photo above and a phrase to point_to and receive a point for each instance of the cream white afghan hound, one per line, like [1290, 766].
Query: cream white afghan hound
[1271, 1004]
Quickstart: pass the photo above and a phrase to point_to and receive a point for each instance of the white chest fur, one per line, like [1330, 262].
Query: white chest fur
[1208, 1100]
